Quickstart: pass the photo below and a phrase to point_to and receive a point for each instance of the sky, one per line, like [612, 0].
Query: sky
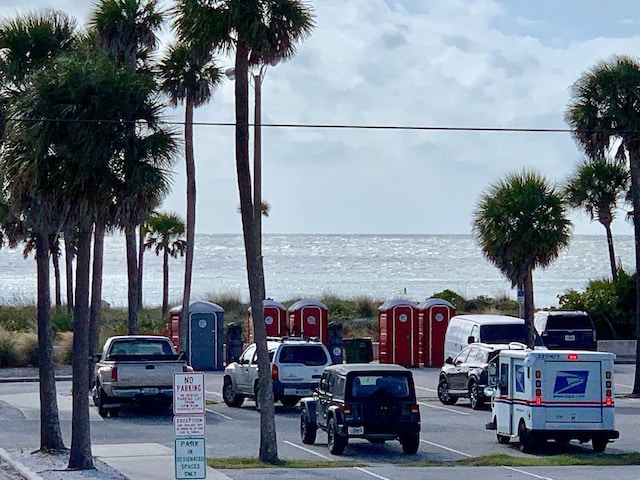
[433, 63]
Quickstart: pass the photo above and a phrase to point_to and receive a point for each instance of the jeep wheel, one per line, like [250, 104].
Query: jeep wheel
[289, 401]
[475, 396]
[443, 393]
[307, 429]
[410, 443]
[336, 441]
[231, 399]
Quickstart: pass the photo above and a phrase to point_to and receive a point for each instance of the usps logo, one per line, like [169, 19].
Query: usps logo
[572, 383]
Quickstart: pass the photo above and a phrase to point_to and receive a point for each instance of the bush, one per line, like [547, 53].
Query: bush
[61, 320]
[9, 356]
[63, 351]
[28, 349]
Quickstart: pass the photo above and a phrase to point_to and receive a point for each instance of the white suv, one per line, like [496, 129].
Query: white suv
[296, 368]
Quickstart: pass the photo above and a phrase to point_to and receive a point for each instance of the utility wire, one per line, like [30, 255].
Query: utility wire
[336, 126]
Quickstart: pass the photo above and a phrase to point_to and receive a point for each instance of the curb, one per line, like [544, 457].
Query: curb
[19, 467]
[63, 378]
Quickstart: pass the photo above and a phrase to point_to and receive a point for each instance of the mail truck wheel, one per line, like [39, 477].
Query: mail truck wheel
[599, 444]
[525, 438]
[503, 439]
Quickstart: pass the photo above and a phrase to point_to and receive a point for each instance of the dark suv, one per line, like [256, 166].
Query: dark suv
[373, 402]
[566, 329]
[467, 374]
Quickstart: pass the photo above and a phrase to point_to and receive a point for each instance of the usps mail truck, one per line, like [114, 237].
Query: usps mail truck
[554, 394]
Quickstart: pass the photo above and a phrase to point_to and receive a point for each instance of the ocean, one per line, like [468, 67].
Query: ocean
[310, 266]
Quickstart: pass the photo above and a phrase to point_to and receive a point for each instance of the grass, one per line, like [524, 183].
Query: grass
[238, 463]
[499, 460]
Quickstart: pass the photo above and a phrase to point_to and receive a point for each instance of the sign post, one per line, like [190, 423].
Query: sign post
[189, 422]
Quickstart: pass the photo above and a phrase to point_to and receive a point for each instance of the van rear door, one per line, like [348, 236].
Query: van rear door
[572, 391]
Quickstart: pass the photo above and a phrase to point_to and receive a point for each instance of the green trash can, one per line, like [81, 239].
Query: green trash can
[358, 350]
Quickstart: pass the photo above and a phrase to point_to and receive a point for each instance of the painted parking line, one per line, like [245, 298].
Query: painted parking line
[527, 473]
[308, 450]
[437, 407]
[427, 389]
[213, 394]
[446, 448]
[219, 414]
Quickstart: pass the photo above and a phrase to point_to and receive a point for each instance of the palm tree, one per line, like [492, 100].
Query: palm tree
[603, 111]
[165, 232]
[28, 43]
[126, 29]
[260, 31]
[190, 76]
[596, 186]
[54, 252]
[521, 224]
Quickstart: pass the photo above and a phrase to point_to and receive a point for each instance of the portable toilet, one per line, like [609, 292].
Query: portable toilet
[434, 315]
[205, 345]
[399, 333]
[309, 318]
[275, 319]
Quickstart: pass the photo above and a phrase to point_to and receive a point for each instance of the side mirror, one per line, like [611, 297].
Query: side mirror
[471, 339]
[489, 391]
[449, 361]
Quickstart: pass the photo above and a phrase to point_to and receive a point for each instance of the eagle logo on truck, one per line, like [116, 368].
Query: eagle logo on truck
[571, 383]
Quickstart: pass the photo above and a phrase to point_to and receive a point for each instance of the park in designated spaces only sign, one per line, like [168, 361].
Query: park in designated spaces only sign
[188, 393]
[191, 458]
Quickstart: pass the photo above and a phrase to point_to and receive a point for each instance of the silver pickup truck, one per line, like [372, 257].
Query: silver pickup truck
[135, 368]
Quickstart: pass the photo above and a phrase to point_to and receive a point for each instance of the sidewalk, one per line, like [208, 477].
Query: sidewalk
[139, 461]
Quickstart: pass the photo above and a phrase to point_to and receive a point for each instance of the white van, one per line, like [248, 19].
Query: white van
[553, 394]
[493, 329]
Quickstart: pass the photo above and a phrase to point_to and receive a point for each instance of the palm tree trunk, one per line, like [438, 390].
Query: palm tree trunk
[140, 263]
[96, 297]
[165, 281]
[268, 443]
[55, 260]
[132, 275]
[612, 255]
[634, 170]
[529, 308]
[50, 434]
[68, 264]
[191, 221]
[80, 457]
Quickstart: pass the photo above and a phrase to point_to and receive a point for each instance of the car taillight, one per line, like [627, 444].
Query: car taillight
[274, 372]
[114, 374]
[346, 409]
[415, 408]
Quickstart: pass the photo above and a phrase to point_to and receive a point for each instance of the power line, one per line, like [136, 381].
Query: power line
[339, 126]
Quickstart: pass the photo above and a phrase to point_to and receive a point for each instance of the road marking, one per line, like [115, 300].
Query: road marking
[527, 473]
[447, 448]
[427, 389]
[308, 450]
[363, 470]
[443, 408]
[215, 394]
[219, 414]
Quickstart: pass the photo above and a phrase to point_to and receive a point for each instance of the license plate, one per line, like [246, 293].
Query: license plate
[150, 391]
[356, 430]
[570, 338]
[301, 392]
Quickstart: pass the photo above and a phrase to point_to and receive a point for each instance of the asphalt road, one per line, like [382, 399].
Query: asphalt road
[449, 433]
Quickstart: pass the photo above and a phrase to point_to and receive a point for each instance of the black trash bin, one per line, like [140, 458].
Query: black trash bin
[358, 350]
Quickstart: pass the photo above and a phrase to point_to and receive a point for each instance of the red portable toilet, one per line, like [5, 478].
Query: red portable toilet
[309, 318]
[399, 331]
[174, 325]
[275, 319]
[434, 315]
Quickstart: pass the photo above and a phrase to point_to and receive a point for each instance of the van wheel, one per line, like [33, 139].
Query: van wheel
[524, 436]
[475, 396]
[443, 393]
[599, 444]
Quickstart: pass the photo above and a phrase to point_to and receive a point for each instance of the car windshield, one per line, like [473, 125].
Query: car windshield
[310, 355]
[365, 385]
[506, 333]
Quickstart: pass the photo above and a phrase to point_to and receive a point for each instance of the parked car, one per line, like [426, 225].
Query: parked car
[296, 367]
[566, 329]
[466, 375]
[135, 369]
[373, 402]
[495, 329]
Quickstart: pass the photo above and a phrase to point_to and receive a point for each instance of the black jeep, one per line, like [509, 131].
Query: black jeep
[374, 402]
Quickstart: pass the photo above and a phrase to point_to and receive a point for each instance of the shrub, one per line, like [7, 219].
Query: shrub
[28, 349]
[9, 356]
[61, 320]
[63, 350]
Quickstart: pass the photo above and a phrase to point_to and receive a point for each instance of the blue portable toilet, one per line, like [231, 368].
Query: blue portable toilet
[206, 336]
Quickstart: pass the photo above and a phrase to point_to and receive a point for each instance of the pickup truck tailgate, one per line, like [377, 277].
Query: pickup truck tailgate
[147, 374]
